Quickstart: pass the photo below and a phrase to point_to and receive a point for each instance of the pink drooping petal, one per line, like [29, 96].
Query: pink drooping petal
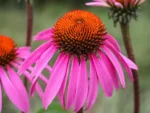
[104, 4]
[138, 2]
[44, 35]
[117, 4]
[132, 3]
[55, 81]
[126, 66]
[12, 92]
[126, 2]
[111, 69]
[61, 93]
[82, 85]
[72, 83]
[16, 81]
[32, 89]
[42, 77]
[103, 75]
[0, 98]
[28, 76]
[42, 62]
[111, 2]
[116, 64]
[49, 69]
[93, 87]
[99, 0]
[37, 86]
[129, 62]
[113, 41]
[23, 52]
[34, 56]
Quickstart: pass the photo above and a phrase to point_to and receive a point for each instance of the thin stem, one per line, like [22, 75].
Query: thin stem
[29, 29]
[129, 49]
[80, 111]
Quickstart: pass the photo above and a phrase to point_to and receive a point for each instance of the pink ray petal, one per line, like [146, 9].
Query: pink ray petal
[136, 2]
[113, 41]
[93, 87]
[28, 76]
[99, 0]
[117, 4]
[32, 89]
[132, 3]
[116, 64]
[44, 35]
[42, 62]
[126, 66]
[111, 69]
[72, 83]
[110, 2]
[0, 98]
[23, 52]
[61, 93]
[140, 2]
[126, 2]
[129, 62]
[42, 77]
[55, 82]
[16, 81]
[11, 92]
[104, 4]
[103, 75]
[48, 68]
[33, 57]
[37, 86]
[82, 86]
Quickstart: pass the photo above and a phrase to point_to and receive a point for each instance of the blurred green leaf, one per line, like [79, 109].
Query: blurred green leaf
[55, 107]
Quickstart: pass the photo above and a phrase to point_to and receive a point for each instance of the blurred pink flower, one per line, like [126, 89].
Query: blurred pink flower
[116, 3]
[11, 58]
[81, 38]
[9, 79]
[119, 10]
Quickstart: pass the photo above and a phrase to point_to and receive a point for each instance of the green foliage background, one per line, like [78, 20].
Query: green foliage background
[46, 13]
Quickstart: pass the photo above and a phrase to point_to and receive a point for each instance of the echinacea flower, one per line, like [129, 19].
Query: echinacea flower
[9, 79]
[11, 57]
[80, 37]
[120, 10]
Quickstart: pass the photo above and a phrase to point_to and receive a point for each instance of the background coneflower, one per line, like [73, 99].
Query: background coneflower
[119, 10]
[10, 81]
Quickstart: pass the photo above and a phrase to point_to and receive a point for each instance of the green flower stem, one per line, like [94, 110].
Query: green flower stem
[129, 50]
[80, 111]
[29, 29]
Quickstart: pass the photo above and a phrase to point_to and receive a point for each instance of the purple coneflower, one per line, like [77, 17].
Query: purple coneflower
[11, 57]
[120, 10]
[81, 38]
[9, 79]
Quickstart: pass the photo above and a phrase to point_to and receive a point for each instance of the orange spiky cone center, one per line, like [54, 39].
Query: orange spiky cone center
[7, 50]
[79, 32]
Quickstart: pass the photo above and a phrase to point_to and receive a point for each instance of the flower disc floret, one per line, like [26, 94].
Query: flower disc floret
[7, 50]
[79, 33]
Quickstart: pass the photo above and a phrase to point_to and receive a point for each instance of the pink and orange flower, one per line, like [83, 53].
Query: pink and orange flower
[78, 38]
